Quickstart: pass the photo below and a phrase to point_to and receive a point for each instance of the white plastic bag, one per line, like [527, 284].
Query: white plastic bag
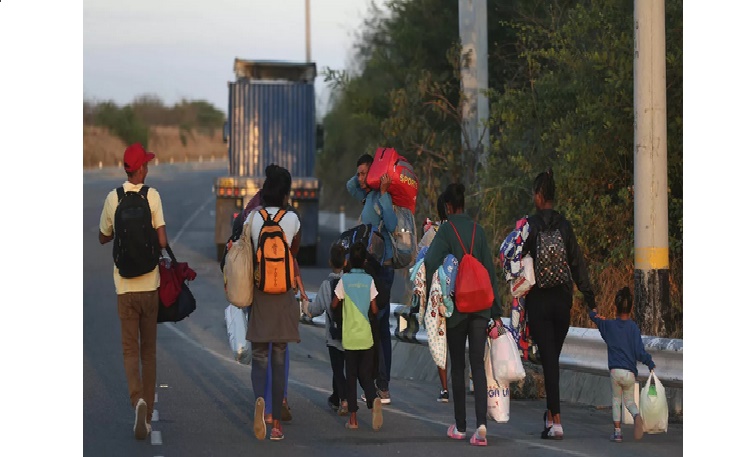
[236, 324]
[506, 360]
[653, 405]
[498, 396]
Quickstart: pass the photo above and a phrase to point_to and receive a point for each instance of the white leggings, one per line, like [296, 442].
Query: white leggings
[623, 392]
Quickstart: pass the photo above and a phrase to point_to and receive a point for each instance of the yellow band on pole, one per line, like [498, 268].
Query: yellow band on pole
[651, 259]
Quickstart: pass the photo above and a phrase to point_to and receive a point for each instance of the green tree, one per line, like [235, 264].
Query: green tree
[123, 123]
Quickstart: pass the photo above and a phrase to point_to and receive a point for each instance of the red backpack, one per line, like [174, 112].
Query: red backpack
[473, 290]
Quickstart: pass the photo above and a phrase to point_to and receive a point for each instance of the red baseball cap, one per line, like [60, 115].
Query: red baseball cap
[135, 156]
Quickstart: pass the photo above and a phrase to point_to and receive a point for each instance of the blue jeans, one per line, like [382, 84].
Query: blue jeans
[261, 353]
[268, 386]
[384, 282]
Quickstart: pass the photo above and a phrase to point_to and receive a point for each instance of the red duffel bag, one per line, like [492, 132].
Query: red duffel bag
[404, 186]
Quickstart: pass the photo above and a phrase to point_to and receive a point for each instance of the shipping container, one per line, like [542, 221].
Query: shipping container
[271, 120]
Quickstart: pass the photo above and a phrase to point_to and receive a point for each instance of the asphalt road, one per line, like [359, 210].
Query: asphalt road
[204, 398]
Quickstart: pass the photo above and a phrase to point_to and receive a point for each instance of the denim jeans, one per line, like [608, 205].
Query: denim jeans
[260, 353]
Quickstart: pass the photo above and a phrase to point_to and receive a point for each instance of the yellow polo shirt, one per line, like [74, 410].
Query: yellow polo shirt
[146, 282]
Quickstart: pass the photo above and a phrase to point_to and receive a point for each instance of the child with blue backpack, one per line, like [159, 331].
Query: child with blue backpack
[624, 349]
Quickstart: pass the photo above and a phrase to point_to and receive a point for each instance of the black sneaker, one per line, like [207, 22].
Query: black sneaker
[333, 403]
[444, 396]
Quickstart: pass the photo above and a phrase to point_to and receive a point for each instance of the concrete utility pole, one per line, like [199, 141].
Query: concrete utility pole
[472, 24]
[651, 261]
[308, 34]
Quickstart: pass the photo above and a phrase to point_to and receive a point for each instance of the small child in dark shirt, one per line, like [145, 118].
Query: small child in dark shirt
[624, 349]
[356, 293]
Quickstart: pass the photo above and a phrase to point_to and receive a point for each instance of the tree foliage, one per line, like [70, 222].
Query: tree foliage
[561, 96]
[131, 122]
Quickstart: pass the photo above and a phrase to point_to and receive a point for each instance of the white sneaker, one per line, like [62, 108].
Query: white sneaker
[141, 428]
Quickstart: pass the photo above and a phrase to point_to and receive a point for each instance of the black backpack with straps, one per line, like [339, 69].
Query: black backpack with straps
[551, 264]
[336, 322]
[136, 247]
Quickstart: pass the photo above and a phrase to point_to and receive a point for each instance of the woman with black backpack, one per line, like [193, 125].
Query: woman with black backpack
[557, 263]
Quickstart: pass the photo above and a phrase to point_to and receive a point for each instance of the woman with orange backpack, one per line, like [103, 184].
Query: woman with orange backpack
[274, 314]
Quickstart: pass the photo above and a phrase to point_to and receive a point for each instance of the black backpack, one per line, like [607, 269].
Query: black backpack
[136, 247]
[551, 266]
[336, 321]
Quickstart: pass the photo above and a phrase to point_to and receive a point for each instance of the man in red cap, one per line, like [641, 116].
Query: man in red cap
[136, 281]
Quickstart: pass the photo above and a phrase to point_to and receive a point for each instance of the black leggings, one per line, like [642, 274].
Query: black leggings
[548, 324]
[338, 363]
[360, 365]
[475, 329]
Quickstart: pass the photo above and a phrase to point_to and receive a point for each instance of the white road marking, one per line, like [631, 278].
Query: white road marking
[156, 438]
[155, 397]
[193, 216]
[155, 416]
[391, 409]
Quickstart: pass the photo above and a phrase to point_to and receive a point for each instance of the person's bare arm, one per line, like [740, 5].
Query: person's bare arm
[295, 244]
[104, 239]
[373, 306]
[162, 236]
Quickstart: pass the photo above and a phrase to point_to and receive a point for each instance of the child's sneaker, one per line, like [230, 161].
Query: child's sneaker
[332, 402]
[453, 433]
[384, 395]
[638, 427]
[480, 436]
[617, 436]
[444, 396]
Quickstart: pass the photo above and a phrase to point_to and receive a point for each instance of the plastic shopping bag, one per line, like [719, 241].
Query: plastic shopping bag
[236, 324]
[506, 360]
[498, 395]
[653, 405]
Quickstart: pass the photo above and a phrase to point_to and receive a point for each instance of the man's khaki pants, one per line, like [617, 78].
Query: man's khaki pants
[138, 327]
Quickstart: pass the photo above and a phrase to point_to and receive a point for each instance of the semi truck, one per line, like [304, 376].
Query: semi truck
[271, 120]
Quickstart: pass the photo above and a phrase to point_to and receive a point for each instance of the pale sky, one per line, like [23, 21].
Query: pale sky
[185, 48]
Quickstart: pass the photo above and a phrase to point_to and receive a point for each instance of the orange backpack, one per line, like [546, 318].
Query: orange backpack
[274, 272]
[473, 290]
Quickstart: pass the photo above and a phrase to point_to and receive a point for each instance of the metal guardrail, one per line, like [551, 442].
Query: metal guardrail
[584, 350]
